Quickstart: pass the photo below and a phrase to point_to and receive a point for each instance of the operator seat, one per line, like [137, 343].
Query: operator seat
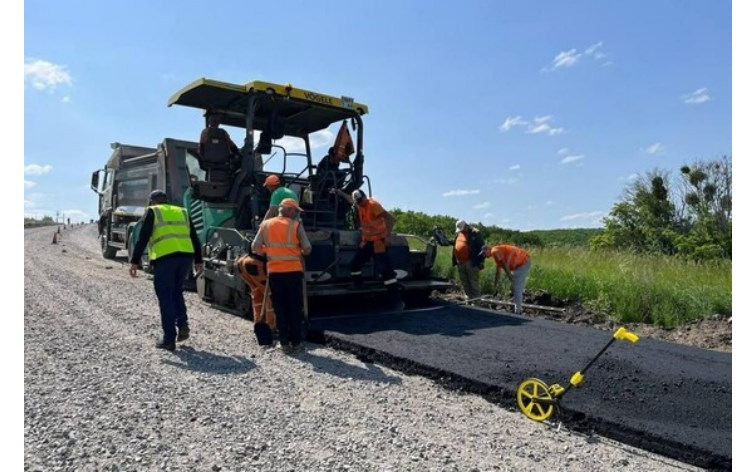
[216, 158]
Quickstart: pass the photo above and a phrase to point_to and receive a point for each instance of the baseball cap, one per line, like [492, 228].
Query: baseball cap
[157, 193]
[461, 225]
[272, 180]
[290, 203]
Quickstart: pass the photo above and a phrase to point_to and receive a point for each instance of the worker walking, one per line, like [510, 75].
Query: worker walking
[516, 264]
[283, 241]
[172, 244]
[277, 195]
[376, 225]
[466, 255]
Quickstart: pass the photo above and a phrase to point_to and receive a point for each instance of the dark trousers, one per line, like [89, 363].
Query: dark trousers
[286, 292]
[170, 273]
[382, 261]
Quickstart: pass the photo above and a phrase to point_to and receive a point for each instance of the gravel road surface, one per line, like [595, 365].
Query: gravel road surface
[99, 396]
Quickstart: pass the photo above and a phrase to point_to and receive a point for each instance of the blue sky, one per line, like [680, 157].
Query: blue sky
[525, 115]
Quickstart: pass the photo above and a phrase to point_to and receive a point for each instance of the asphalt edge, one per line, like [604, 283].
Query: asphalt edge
[574, 420]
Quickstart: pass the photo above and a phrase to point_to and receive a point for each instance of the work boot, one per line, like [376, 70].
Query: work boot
[356, 282]
[165, 345]
[183, 333]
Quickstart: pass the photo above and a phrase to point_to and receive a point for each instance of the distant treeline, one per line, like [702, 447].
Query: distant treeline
[415, 222]
[32, 222]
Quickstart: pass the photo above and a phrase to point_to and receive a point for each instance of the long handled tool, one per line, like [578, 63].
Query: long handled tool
[538, 400]
[263, 333]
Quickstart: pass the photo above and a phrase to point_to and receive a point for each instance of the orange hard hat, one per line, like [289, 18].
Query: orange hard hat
[289, 203]
[272, 180]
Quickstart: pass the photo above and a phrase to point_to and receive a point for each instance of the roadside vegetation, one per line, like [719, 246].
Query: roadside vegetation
[32, 222]
[664, 256]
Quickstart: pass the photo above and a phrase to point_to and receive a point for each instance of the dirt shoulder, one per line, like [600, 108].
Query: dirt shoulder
[713, 333]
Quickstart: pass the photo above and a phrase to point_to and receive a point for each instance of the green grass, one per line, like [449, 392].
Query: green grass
[659, 290]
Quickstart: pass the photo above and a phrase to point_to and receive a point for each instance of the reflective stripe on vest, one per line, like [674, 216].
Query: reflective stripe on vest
[373, 227]
[282, 245]
[170, 232]
[510, 256]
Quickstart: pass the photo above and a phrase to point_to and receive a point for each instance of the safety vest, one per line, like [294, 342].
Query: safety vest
[462, 248]
[510, 256]
[170, 231]
[373, 227]
[282, 245]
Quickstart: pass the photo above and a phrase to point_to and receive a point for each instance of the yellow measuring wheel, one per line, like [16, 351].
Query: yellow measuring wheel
[538, 400]
[535, 400]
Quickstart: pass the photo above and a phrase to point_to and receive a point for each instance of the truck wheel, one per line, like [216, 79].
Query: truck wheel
[108, 252]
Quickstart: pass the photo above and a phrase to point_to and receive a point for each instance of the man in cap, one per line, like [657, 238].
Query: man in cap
[278, 194]
[172, 243]
[283, 241]
[213, 132]
[466, 255]
[376, 225]
[516, 264]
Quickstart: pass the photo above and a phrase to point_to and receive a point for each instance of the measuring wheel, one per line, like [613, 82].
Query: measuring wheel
[535, 400]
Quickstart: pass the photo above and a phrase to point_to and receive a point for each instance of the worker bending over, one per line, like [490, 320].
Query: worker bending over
[516, 264]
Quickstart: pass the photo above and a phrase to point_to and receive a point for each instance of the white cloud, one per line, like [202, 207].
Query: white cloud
[75, 215]
[460, 193]
[29, 184]
[29, 203]
[541, 125]
[505, 220]
[511, 122]
[66, 99]
[532, 207]
[563, 152]
[488, 215]
[482, 206]
[44, 75]
[655, 148]
[566, 59]
[582, 216]
[574, 158]
[36, 169]
[318, 140]
[699, 96]
[549, 203]
[629, 178]
[514, 167]
[321, 138]
[592, 50]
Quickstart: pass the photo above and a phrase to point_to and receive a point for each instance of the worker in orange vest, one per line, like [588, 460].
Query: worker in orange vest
[376, 225]
[516, 264]
[252, 271]
[284, 242]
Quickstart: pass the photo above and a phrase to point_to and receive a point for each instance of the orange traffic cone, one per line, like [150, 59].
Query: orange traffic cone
[58, 229]
[55, 238]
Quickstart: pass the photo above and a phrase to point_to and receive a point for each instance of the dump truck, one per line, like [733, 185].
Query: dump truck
[124, 184]
[222, 189]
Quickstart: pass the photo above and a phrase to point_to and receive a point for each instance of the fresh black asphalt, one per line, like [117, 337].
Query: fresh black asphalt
[666, 398]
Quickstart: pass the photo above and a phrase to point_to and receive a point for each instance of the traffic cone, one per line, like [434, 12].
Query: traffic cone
[58, 229]
[55, 238]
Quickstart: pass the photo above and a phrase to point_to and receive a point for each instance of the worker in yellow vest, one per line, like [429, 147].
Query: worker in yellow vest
[284, 242]
[516, 264]
[172, 244]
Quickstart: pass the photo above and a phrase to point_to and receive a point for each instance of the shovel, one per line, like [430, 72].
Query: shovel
[263, 332]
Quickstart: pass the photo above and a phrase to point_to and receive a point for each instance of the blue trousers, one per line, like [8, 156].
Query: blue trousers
[170, 273]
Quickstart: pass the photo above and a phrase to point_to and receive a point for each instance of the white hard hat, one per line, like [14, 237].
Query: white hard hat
[461, 224]
[358, 195]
